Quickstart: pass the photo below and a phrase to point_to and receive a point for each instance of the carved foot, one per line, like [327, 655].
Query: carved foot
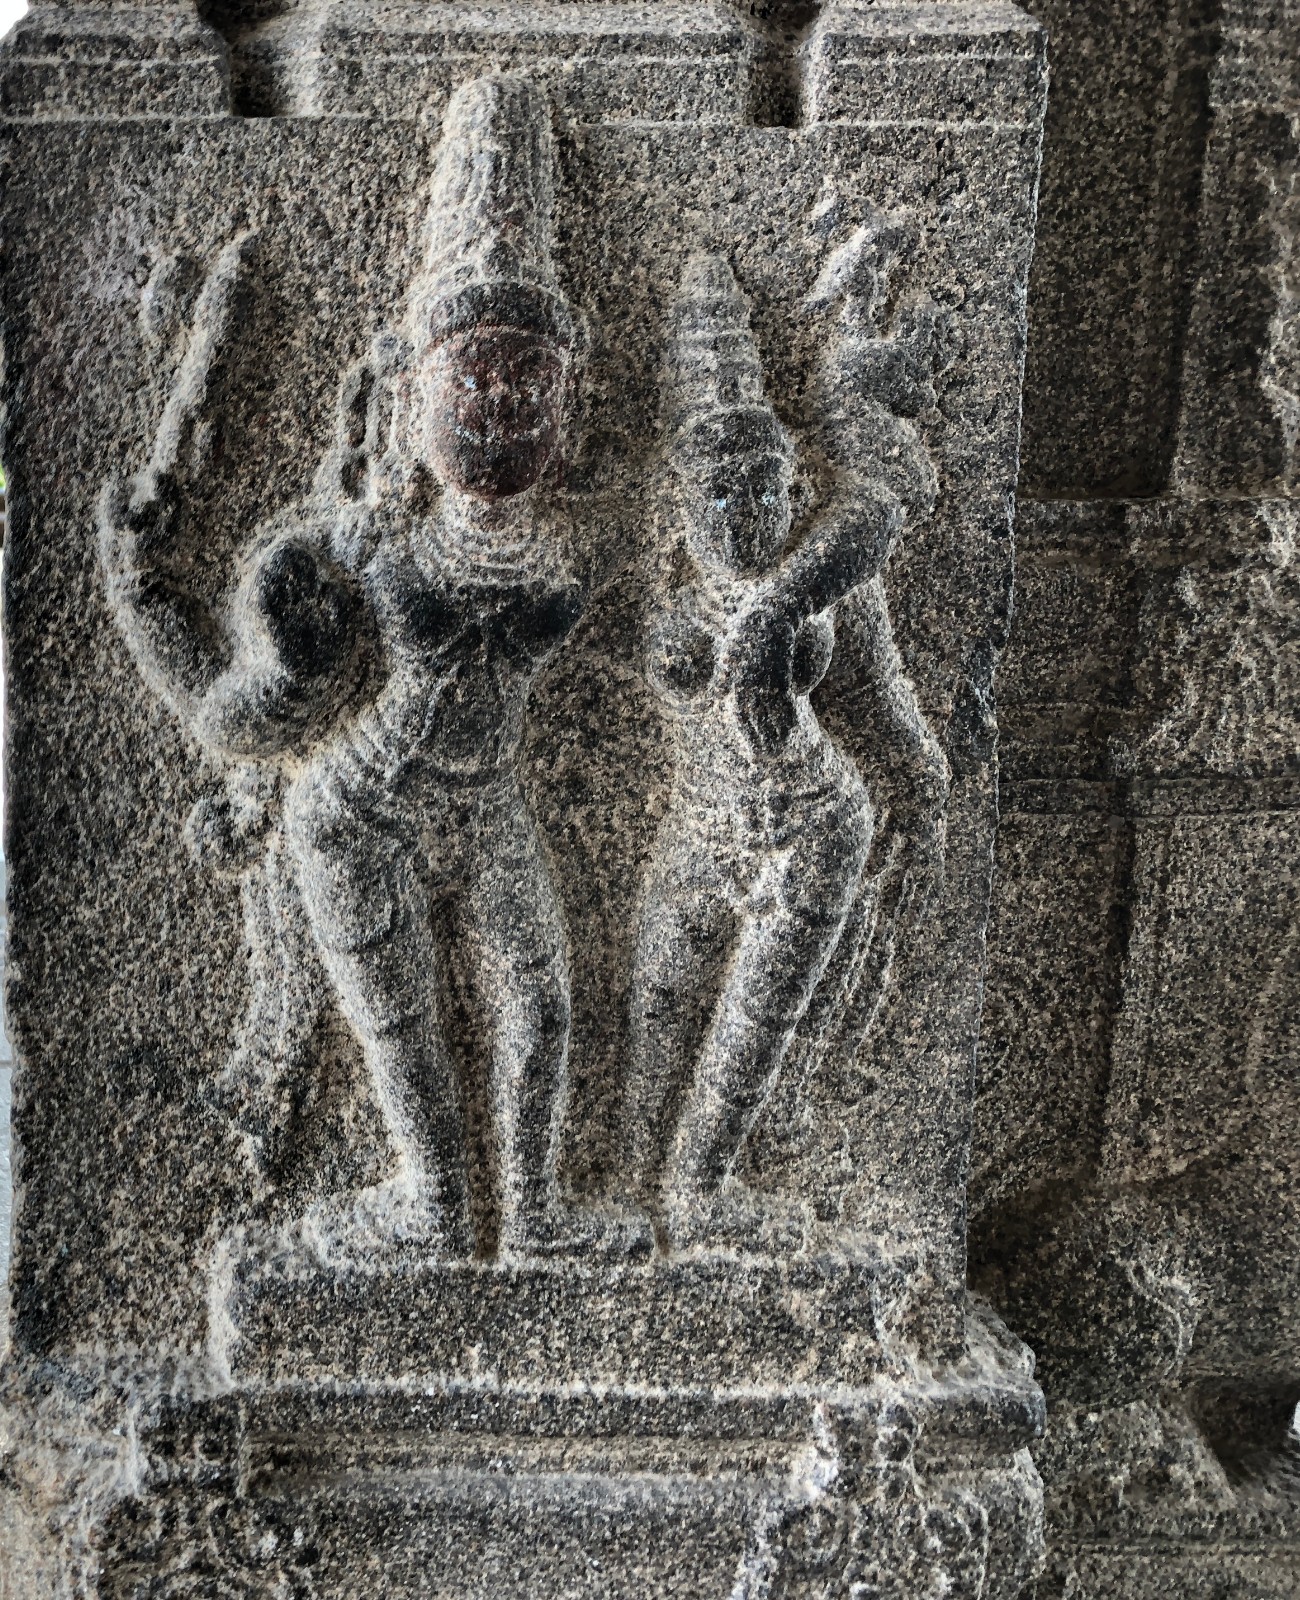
[737, 1220]
[395, 1216]
[571, 1230]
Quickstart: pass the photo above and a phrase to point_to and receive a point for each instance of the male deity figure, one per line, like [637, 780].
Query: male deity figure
[380, 649]
[769, 829]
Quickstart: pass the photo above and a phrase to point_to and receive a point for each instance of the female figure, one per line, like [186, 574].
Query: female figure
[430, 523]
[769, 826]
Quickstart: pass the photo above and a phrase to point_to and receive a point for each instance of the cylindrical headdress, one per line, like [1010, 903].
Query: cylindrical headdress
[717, 407]
[488, 230]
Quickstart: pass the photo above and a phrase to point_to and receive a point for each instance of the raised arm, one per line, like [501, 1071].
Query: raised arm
[177, 644]
[845, 546]
[847, 543]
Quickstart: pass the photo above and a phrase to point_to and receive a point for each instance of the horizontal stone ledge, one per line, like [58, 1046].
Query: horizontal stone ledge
[1154, 534]
[913, 65]
[326, 1427]
[994, 1411]
[695, 1347]
[584, 1493]
[678, 1323]
[939, 63]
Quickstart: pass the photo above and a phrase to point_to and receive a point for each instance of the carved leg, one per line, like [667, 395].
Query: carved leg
[684, 923]
[512, 935]
[269, 1076]
[514, 939]
[370, 916]
[794, 920]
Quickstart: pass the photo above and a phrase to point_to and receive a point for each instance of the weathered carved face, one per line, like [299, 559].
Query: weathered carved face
[495, 399]
[739, 510]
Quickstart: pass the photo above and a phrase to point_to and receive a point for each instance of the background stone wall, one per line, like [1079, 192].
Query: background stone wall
[6, 1063]
[6, 1183]
[1134, 1193]
[10, 11]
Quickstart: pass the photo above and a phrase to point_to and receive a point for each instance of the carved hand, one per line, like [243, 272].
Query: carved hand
[309, 614]
[316, 625]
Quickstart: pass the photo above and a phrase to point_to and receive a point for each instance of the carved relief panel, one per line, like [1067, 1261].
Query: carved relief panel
[542, 545]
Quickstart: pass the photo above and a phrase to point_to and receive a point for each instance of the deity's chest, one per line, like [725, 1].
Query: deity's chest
[438, 612]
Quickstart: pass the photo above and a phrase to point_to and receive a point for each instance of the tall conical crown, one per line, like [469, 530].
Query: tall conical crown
[488, 226]
[717, 402]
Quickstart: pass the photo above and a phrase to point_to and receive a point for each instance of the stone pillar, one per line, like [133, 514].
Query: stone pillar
[1140, 1229]
[510, 537]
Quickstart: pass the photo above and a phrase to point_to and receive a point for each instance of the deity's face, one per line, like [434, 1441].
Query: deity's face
[495, 399]
[738, 510]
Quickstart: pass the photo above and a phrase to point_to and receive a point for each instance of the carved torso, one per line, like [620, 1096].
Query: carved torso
[759, 798]
[462, 642]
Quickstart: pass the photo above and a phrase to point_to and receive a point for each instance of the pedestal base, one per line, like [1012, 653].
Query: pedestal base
[907, 1484]
[663, 1324]
[1141, 1506]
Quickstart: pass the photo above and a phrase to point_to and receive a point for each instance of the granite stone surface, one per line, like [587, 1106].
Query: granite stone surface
[1140, 1230]
[1133, 1195]
[653, 761]
[510, 539]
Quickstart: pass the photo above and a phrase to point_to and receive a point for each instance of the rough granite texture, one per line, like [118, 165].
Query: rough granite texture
[510, 537]
[611, 1000]
[1134, 1185]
